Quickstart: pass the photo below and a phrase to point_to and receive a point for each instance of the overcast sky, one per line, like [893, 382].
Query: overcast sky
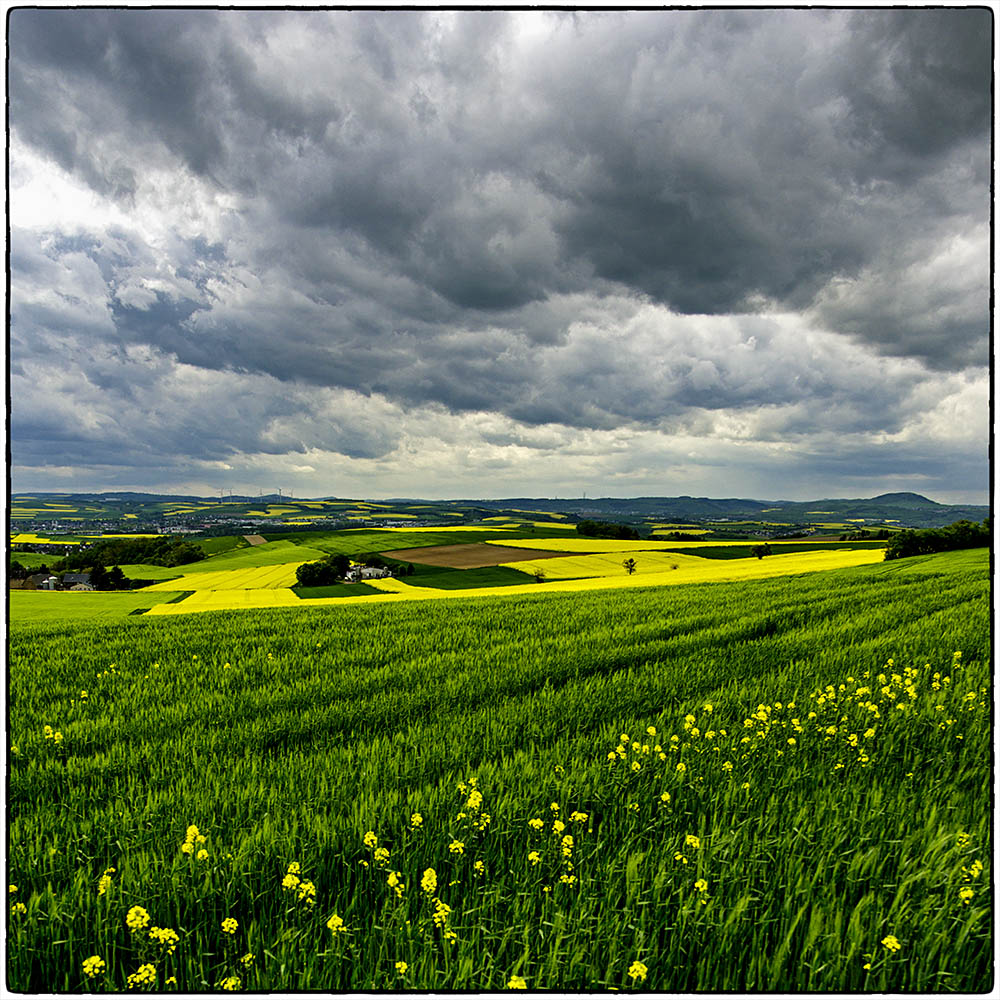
[488, 254]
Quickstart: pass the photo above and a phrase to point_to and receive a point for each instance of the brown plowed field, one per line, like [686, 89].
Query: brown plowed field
[471, 555]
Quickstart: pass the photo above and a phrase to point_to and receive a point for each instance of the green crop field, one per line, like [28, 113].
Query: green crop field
[780, 784]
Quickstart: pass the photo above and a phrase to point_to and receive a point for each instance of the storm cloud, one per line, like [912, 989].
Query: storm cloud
[401, 243]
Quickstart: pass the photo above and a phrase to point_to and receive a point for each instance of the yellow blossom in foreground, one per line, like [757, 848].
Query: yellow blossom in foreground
[93, 966]
[104, 882]
[145, 975]
[456, 847]
[165, 937]
[231, 984]
[637, 971]
[12, 888]
[137, 919]
[202, 855]
[336, 925]
[18, 909]
[289, 882]
[517, 983]
[536, 824]
[891, 943]
[370, 840]
[416, 821]
[248, 959]
[534, 857]
[401, 968]
[479, 867]
[294, 868]
[229, 925]
[701, 885]
[692, 841]
[965, 895]
[428, 881]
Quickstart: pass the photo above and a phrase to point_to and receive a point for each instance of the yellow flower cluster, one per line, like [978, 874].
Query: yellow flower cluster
[191, 838]
[516, 983]
[336, 925]
[53, 734]
[137, 919]
[637, 971]
[395, 882]
[165, 937]
[229, 925]
[891, 943]
[304, 889]
[145, 975]
[401, 968]
[230, 984]
[104, 882]
[93, 966]
[428, 881]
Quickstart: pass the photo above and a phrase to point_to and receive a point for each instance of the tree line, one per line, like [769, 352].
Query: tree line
[921, 542]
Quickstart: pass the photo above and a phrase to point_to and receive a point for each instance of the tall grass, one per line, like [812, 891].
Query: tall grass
[303, 744]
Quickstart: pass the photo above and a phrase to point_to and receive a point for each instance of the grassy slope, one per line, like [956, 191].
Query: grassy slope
[39, 606]
[330, 724]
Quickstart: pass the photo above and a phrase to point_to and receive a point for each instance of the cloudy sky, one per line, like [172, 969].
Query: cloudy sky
[489, 254]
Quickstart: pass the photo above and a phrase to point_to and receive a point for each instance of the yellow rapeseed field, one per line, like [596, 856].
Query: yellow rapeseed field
[229, 580]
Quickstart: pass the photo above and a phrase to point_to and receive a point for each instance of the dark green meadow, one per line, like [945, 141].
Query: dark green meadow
[781, 785]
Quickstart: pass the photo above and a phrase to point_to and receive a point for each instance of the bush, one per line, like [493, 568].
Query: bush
[605, 529]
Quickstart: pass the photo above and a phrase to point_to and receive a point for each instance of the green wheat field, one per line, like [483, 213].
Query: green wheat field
[780, 784]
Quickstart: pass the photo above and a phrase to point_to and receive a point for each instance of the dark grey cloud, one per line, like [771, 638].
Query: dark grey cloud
[527, 213]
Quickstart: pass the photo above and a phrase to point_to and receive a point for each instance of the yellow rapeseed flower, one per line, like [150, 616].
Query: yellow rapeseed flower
[247, 960]
[534, 857]
[202, 855]
[294, 868]
[965, 894]
[289, 882]
[457, 847]
[416, 820]
[93, 966]
[536, 824]
[638, 971]
[137, 919]
[891, 943]
[516, 983]
[231, 984]
[692, 841]
[145, 975]
[18, 909]
[370, 840]
[165, 938]
[336, 925]
[428, 882]
[401, 968]
[229, 925]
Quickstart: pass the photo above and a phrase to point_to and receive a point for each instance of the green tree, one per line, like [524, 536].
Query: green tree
[629, 565]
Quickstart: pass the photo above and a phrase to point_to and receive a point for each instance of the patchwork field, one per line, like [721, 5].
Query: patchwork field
[773, 785]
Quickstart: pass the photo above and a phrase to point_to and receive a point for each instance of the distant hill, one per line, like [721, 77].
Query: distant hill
[893, 509]
[907, 509]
